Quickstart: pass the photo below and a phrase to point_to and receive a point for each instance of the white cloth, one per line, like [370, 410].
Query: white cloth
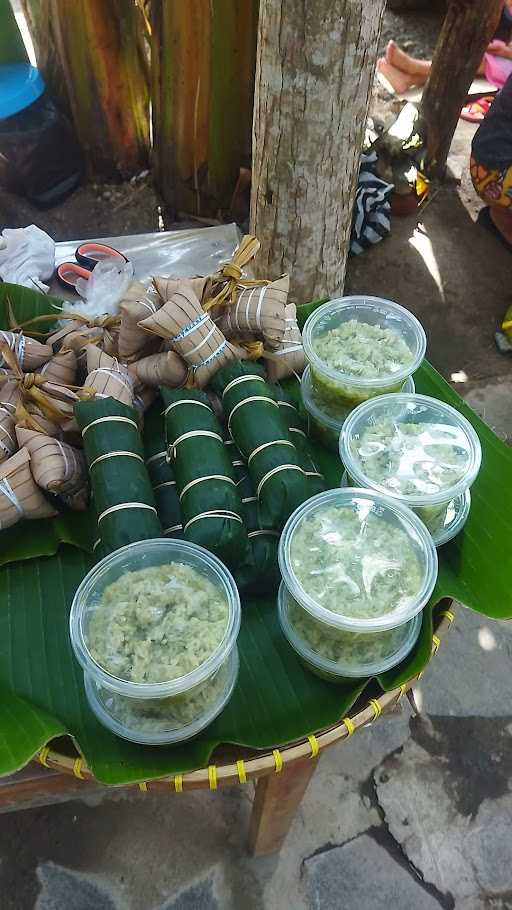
[27, 257]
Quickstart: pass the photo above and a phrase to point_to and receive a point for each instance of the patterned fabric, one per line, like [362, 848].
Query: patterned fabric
[371, 208]
[494, 187]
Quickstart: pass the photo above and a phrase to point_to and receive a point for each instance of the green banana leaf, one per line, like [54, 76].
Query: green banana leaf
[41, 691]
[25, 304]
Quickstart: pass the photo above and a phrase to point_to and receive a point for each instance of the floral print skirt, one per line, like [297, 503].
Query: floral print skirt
[494, 187]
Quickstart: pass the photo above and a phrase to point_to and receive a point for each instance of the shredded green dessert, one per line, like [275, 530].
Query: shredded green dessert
[155, 715]
[156, 624]
[354, 562]
[362, 350]
[359, 649]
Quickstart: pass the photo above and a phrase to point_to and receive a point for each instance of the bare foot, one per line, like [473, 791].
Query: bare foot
[398, 80]
[402, 61]
[502, 220]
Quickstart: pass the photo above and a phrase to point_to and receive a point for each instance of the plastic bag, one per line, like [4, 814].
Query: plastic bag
[104, 290]
[27, 255]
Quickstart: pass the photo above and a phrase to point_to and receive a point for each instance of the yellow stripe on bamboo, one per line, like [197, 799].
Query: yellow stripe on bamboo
[315, 748]
[436, 641]
[43, 757]
[376, 707]
[403, 689]
[448, 615]
[77, 768]
[212, 777]
[349, 724]
[240, 767]
[143, 787]
[178, 783]
[278, 760]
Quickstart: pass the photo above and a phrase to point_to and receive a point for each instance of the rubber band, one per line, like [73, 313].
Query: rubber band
[165, 483]
[174, 528]
[269, 474]
[247, 305]
[193, 483]
[294, 347]
[436, 641]
[154, 457]
[77, 768]
[249, 498]
[178, 783]
[212, 777]
[263, 291]
[10, 495]
[213, 356]
[249, 377]
[315, 748]
[238, 463]
[125, 505]
[115, 455]
[216, 513]
[376, 707]
[112, 419]
[448, 615]
[43, 757]
[278, 760]
[240, 767]
[67, 467]
[192, 433]
[264, 531]
[203, 341]
[201, 404]
[349, 724]
[112, 374]
[246, 401]
[297, 430]
[191, 327]
[265, 445]
[96, 544]
[287, 404]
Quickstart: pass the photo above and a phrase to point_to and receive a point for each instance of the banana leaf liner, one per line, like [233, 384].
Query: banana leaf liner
[61, 369]
[256, 424]
[123, 496]
[134, 342]
[57, 467]
[259, 310]
[166, 287]
[20, 497]
[166, 368]
[194, 335]
[258, 570]
[161, 475]
[210, 503]
[286, 357]
[297, 428]
[31, 354]
[108, 377]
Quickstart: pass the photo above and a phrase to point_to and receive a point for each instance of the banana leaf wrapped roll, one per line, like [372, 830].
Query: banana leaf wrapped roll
[210, 503]
[161, 474]
[259, 568]
[123, 496]
[297, 428]
[256, 424]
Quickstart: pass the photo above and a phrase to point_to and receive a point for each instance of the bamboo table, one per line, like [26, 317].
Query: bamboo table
[281, 775]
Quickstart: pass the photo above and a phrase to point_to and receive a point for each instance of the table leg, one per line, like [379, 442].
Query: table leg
[277, 798]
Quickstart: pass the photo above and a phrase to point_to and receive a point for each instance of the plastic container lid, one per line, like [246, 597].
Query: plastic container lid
[141, 555]
[401, 642]
[319, 411]
[108, 708]
[358, 560]
[418, 467]
[20, 85]
[372, 310]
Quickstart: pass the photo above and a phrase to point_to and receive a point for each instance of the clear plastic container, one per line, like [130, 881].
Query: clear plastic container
[371, 360]
[167, 720]
[326, 421]
[199, 578]
[338, 655]
[358, 560]
[414, 448]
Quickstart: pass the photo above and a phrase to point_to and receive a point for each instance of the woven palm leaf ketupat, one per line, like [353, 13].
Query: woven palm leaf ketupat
[161, 474]
[194, 335]
[297, 430]
[108, 377]
[134, 342]
[258, 428]
[210, 503]
[57, 467]
[123, 496]
[259, 310]
[287, 356]
[20, 497]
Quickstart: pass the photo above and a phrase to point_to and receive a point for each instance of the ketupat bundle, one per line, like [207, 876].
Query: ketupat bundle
[107, 376]
[123, 496]
[57, 467]
[297, 428]
[20, 497]
[161, 474]
[134, 342]
[257, 426]
[166, 368]
[210, 503]
[259, 310]
[286, 356]
[31, 354]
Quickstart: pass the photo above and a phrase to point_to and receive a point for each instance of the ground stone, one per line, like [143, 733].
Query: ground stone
[199, 896]
[62, 889]
[361, 874]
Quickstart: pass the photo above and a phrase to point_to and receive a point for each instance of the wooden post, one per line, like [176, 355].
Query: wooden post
[467, 29]
[276, 801]
[314, 71]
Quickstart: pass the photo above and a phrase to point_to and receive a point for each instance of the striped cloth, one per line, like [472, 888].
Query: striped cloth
[371, 207]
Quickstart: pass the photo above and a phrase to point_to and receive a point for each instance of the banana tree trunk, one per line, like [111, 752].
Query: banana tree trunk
[40, 25]
[468, 27]
[102, 56]
[314, 71]
[203, 57]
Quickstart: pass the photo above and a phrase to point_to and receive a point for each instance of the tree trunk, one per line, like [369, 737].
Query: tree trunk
[101, 52]
[40, 26]
[467, 29]
[314, 72]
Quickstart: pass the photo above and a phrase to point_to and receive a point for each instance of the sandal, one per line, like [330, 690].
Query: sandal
[475, 111]
[484, 220]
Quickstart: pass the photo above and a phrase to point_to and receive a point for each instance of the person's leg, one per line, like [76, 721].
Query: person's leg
[495, 189]
[398, 58]
[399, 80]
